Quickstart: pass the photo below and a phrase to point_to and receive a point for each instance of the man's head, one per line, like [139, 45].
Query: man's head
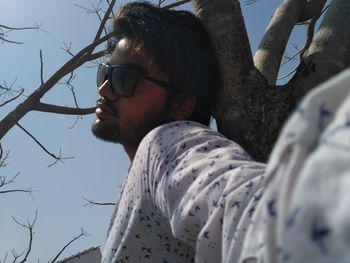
[171, 47]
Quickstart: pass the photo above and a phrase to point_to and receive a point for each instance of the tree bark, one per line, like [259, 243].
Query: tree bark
[328, 53]
[249, 111]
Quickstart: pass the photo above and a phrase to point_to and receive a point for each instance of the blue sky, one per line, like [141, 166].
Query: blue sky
[98, 168]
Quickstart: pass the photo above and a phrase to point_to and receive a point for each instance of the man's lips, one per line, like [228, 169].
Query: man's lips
[103, 109]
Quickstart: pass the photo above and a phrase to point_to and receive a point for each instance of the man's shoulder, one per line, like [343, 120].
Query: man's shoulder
[178, 131]
[182, 137]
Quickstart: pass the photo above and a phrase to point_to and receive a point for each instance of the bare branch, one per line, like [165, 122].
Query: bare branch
[36, 27]
[67, 48]
[104, 20]
[10, 41]
[249, 2]
[3, 34]
[43, 107]
[80, 58]
[1, 153]
[311, 31]
[57, 158]
[2, 160]
[29, 226]
[41, 67]
[83, 233]
[92, 203]
[12, 99]
[160, 2]
[4, 182]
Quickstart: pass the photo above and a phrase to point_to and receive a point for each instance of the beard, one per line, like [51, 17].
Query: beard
[132, 133]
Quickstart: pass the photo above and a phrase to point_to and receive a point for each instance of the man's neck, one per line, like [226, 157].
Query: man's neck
[130, 151]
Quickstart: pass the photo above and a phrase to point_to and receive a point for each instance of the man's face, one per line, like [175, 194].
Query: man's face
[127, 120]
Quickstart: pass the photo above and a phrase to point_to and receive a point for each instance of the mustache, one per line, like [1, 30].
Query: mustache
[108, 105]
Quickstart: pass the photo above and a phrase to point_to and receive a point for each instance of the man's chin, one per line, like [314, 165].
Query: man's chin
[103, 131]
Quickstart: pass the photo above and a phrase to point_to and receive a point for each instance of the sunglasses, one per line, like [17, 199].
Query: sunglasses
[124, 78]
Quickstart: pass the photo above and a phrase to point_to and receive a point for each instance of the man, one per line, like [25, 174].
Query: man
[163, 70]
[192, 195]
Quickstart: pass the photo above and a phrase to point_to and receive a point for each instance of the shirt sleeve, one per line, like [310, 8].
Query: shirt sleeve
[205, 185]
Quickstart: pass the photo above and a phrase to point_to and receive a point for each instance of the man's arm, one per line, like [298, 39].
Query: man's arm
[205, 185]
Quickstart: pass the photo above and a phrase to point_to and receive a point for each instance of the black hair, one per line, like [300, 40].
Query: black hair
[179, 45]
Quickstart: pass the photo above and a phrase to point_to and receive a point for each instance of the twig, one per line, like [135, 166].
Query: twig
[4, 182]
[30, 227]
[57, 158]
[41, 67]
[70, 242]
[249, 2]
[67, 48]
[20, 28]
[311, 31]
[11, 41]
[160, 2]
[12, 99]
[4, 34]
[288, 74]
[92, 203]
[104, 20]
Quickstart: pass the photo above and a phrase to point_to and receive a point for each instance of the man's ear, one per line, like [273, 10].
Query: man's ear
[182, 108]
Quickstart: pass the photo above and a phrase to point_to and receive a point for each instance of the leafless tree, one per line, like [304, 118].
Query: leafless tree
[252, 107]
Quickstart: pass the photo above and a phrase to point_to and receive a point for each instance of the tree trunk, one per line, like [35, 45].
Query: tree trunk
[250, 111]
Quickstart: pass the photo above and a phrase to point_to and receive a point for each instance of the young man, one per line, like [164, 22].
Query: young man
[192, 195]
[156, 95]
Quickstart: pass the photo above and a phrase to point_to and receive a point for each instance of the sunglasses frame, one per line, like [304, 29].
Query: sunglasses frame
[141, 74]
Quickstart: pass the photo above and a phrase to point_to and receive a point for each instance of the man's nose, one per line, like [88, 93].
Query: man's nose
[105, 90]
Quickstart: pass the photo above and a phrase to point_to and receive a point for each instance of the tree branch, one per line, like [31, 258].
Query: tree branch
[20, 28]
[30, 227]
[44, 107]
[57, 158]
[68, 244]
[8, 28]
[29, 104]
[92, 203]
[328, 53]
[41, 67]
[104, 20]
[12, 99]
[273, 44]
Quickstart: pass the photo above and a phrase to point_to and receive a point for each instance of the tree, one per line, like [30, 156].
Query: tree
[252, 108]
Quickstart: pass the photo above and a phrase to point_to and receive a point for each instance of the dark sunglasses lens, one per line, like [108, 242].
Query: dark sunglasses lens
[124, 80]
[101, 74]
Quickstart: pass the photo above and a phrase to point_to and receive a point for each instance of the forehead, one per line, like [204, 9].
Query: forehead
[125, 52]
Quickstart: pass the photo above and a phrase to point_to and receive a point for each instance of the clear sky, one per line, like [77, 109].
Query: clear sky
[98, 168]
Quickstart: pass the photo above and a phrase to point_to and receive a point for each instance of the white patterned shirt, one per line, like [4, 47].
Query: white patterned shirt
[187, 191]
